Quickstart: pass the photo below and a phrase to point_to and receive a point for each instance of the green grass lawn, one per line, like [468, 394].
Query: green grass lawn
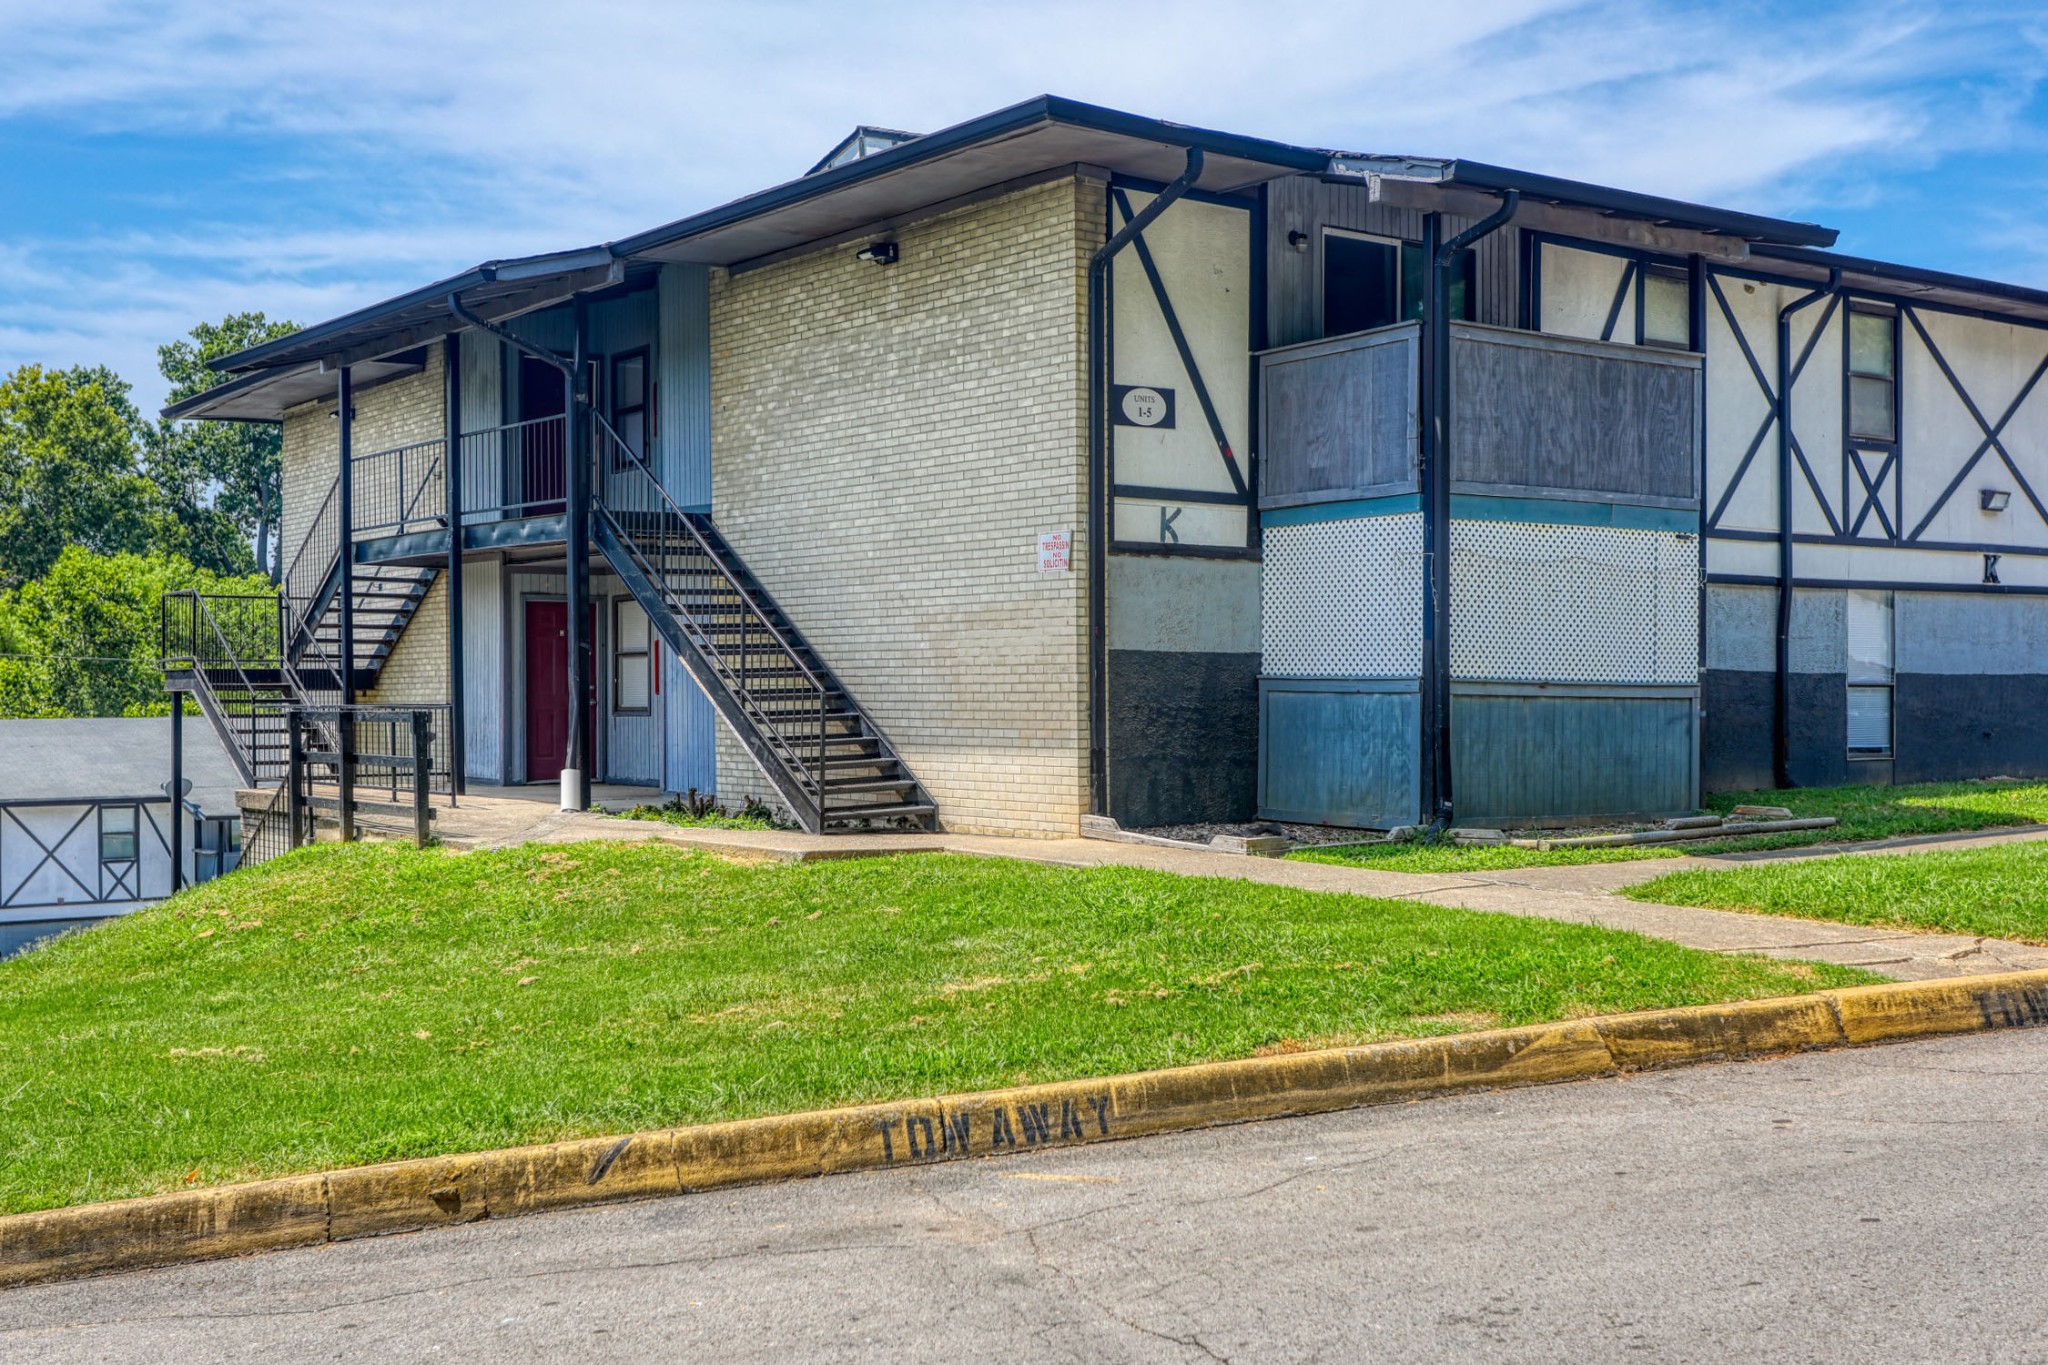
[1999, 892]
[352, 1004]
[1865, 813]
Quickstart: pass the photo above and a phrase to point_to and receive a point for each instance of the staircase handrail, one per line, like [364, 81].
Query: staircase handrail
[209, 698]
[705, 644]
[370, 488]
[710, 551]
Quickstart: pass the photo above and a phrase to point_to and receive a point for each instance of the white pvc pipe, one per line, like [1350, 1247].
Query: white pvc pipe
[572, 789]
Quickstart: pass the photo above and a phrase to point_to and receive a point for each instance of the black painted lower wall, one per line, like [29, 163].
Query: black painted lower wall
[1950, 726]
[1736, 740]
[1947, 727]
[1183, 736]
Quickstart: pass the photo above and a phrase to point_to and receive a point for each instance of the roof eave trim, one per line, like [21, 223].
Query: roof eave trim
[1017, 118]
[1481, 175]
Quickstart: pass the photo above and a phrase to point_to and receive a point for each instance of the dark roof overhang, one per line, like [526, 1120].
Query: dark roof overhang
[1653, 211]
[1964, 292]
[1032, 139]
[265, 395]
[1025, 139]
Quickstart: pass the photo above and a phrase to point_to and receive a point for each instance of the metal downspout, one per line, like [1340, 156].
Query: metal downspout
[1436, 607]
[1781, 719]
[1098, 490]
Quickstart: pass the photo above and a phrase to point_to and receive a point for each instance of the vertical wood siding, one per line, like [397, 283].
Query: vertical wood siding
[483, 407]
[1339, 753]
[1530, 756]
[682, 446]
[1294, 279]
[483, 670]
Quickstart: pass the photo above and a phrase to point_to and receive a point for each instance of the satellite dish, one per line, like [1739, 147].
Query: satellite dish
[184, 787]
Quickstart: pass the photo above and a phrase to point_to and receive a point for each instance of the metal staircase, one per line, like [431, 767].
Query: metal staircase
[247, 659]
[833, 766]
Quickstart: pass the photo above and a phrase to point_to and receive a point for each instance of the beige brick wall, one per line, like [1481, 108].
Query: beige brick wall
[416, 670]
[887, 443]
[398, 412]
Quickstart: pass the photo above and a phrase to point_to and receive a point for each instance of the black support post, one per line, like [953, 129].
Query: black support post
[452, 483]
[422, 767]
[576, 542]
[1436, 531]
[345, 726]
[295, 779]
[177, 790]
[344, 499]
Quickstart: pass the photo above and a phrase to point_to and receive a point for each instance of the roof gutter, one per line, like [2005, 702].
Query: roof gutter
[1098, 487]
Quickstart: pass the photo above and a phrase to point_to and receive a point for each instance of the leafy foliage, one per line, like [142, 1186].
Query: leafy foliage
[240, 461]
[79, 466]
[82, 639]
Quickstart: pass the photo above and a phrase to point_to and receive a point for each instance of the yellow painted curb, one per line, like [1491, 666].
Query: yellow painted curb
[402, 1196]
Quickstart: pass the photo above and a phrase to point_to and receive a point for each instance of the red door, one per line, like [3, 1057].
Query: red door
[547, 691]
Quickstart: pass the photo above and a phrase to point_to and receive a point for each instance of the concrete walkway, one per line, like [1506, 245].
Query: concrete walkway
[1582, 894]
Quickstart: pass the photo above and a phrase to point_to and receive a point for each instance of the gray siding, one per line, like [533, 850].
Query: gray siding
[1294, 279]
[682, 369]
[683, 376]
[483, 670]
[1534, 753]
[483, 407]
[1339, 753]
[1339, 418]
[1541, 413]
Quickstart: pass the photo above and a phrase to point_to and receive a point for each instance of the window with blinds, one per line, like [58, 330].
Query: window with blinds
[1870, 674]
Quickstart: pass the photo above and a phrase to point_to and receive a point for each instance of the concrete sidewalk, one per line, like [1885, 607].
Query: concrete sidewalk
[1581, 894]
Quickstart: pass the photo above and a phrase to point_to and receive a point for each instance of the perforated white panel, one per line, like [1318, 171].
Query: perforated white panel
[1343, 599]
[1536, 603]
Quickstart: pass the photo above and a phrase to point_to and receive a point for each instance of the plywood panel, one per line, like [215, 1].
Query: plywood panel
[1538, 412]
[1339, 417]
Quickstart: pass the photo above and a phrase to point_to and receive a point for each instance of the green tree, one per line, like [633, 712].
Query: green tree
[68, 473]
[239, 460]
[83, 639]
[79, 466]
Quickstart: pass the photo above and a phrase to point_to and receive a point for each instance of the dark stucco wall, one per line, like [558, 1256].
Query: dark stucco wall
[1736, 747]
[1952, 726]
[1183, 736]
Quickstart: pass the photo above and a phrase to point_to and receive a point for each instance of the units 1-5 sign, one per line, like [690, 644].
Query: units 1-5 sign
[1141, 405]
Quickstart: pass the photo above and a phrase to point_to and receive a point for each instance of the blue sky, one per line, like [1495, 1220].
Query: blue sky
[166, 163]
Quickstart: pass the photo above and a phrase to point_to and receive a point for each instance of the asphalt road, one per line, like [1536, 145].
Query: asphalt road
[1883, 1204]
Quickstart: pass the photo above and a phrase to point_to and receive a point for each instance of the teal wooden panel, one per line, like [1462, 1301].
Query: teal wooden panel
[1532, 757]
[1339, 753]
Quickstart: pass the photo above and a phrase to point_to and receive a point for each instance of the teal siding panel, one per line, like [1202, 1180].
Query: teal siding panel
[1339, 753]
[1530, 757]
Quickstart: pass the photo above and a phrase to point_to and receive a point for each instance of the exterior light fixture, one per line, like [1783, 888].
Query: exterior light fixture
[1297, 239]
[1994, 499]
[877, 253]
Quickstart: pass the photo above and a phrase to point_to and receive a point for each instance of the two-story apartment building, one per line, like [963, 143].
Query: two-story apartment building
[1067, 461]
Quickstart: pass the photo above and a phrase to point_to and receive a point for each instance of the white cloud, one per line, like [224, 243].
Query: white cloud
[467, 130]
